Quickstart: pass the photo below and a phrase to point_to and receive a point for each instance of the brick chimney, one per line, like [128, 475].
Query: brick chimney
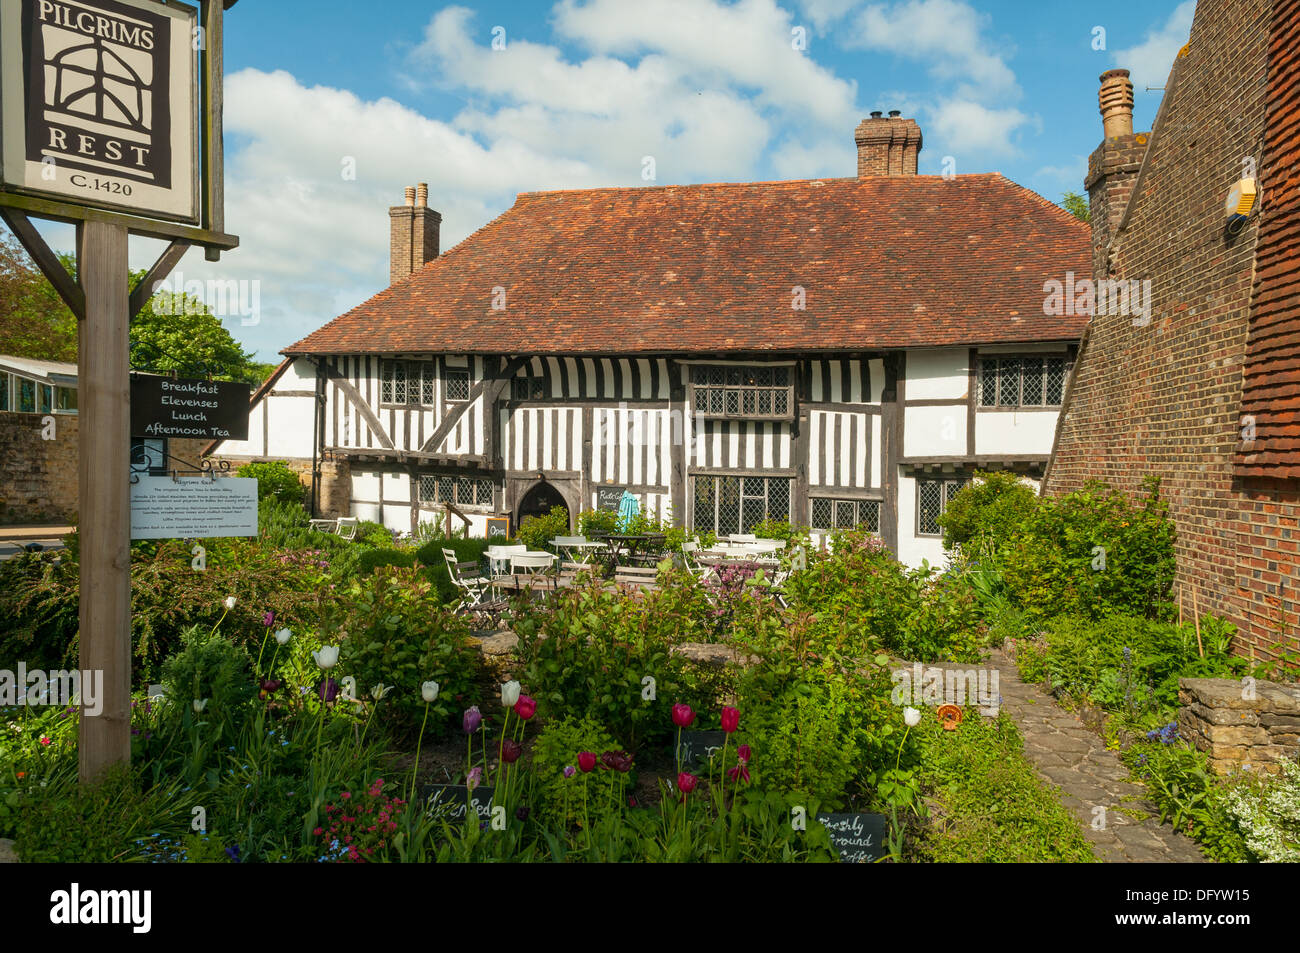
[413, 239]
[1113, 166]
[887, 146]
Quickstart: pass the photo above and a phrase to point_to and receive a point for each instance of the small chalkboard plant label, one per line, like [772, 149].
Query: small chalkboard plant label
[857, 837]
[448, 801]
[697, 747]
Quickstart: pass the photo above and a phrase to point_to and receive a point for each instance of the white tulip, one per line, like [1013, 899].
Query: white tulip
[283, 636]
[200, 705]
[326, 657]
[510, 694]
[230, 602]
[912, 717]
[380, 691]
[430, 691]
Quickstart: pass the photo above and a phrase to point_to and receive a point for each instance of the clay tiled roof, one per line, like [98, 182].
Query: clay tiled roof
[1271, 386]
[885, 262]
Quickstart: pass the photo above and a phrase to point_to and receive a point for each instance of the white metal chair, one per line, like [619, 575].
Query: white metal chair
[531, 564]
[498, 558]
[473, 587]
[735, 538]
[690, 558]
[347, 527]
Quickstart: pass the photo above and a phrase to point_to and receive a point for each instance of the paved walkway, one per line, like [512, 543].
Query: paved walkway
[1075, 759]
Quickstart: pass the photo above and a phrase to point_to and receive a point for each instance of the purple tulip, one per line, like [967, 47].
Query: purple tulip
[268, 617]
[473, 718]
[570, 770]
[328, 690]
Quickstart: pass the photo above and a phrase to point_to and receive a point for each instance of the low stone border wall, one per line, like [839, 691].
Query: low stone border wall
[1240, 723]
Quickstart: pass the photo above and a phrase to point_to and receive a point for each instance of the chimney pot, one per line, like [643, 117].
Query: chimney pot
[895, 113]
[414, 236]
[410, 195]
[1115, 99]
[877, 114]
[422, 195]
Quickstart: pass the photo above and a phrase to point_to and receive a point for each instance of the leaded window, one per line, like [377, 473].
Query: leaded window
[407, 382]
[460, 491]
[828, 514]
[1025, 381]
[932, 499]
[736, 504]
[528, 388]
[749, 392]
[457, 385]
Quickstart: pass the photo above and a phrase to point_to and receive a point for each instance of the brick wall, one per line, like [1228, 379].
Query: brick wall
[1165, 399]
[335, 497]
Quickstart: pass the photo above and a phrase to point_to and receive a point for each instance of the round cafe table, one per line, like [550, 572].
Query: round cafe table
[634, 549]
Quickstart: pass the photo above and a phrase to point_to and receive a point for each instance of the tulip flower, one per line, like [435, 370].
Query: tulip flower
[429, 691]
[683, 715]
[912, 717]
[475, 777]
[471, 720]
[570, 770]
[617, 761]
[380, 692]
[326, 657]
[230, 603]
[327, 690]
[199, 705]
[743, 754]
[526, 707]
[686, 782]
[268, 618]
[730, 719]
[283, 636]
[511, 750]
[586, 761]
[510, 694]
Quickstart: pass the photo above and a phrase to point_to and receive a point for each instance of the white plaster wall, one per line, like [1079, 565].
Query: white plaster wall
[1015, 431]
[934, 431]
[939, 374]
[289, 426]
[397, 488]
[365, 486]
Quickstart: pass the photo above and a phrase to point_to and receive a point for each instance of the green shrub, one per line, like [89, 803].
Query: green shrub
[208, 667]
[1268, 814]
[986, 511]
[371, 559]
[275, 481]
[536, 532]
[595, 522]
[399, 634]
[1189, 796]
[560, 799]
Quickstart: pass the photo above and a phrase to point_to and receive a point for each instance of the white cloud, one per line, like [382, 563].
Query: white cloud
[1068, 175]
[947, 36]
[967, 129]
[1149, 62]
[825, 12]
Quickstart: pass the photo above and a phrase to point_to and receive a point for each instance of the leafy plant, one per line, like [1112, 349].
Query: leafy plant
[275, 481]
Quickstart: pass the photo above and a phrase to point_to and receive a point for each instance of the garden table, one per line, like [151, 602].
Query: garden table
[586, 548]
[633, 548]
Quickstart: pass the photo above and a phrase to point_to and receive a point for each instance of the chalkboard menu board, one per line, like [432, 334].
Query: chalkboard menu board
[498, 527]
[697, 747]
[448, 801]
[608, 497]
[198, 409]
[857, 837]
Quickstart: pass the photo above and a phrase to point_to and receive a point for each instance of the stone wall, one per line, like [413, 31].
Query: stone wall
[38, 477]
[1238, 731]
[335, 498]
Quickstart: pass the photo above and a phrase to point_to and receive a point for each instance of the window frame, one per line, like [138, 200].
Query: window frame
[437, 500]
[857, 502]
[982, 376]
[741, 497]
[416, 377]
[741, 388]
[945, 497]
[446, 384]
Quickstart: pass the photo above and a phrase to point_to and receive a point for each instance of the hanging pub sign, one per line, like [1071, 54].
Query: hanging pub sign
[100, 104]
[192, 409]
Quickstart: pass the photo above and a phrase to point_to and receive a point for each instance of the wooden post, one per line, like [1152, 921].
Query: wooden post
[105, 506]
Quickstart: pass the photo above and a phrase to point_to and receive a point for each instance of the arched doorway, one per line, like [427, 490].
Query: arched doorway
[539, 501]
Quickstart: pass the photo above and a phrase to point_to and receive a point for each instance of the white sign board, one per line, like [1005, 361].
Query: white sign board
[99, 103]
[193, 507]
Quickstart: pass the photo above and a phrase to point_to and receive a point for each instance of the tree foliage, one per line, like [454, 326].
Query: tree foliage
[35, 323]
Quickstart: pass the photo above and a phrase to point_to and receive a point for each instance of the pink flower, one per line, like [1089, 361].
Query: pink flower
[686, 782]
[730, 719]
[743, 753]
[45, 740]
[683, 715]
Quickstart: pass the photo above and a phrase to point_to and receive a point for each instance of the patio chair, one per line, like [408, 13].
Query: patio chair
[534, 565]
[498, 558]
[690, 558]
[472, 587]
[736, 538]
[347, 527]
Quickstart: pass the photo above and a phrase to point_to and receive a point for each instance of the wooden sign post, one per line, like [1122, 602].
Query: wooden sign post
[70, 152]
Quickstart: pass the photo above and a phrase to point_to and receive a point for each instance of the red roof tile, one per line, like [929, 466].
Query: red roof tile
[886, 262]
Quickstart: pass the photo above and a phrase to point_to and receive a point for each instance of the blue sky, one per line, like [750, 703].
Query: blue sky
[583, 90]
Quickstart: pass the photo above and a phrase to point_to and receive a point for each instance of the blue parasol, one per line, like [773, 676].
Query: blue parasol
[628, 508]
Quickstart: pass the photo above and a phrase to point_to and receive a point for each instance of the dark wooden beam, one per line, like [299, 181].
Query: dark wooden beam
[168, 260]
